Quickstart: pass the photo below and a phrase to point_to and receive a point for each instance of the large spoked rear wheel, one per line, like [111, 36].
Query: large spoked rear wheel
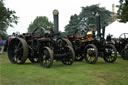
[46, 57]
[110, 54]
[18, 51]
[91, 54]
[69, 59]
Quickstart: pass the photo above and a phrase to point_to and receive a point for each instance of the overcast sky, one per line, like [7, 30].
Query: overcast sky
[28, 10]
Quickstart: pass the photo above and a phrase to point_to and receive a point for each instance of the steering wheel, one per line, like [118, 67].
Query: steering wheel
[123, 36]
[42, 33]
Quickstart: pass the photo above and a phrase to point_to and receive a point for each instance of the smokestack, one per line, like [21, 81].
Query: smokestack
[98, 27]
[103, 32]
[113, 8]
[56, 21]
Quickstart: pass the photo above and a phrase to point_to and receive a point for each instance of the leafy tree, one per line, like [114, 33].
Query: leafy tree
[3, 35]
[7, 17]
[40, 21]
[73, 24]
[123, 11]
[86, 18]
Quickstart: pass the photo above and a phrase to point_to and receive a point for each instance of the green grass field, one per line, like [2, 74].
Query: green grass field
[80, 73]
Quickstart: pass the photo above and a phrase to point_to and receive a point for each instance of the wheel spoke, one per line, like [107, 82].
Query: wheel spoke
[18, 60]
[14, 57]
[19, 45]
[90, 59]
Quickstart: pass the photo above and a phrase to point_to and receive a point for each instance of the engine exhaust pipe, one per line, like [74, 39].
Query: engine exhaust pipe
[56, 20]
[98, 27]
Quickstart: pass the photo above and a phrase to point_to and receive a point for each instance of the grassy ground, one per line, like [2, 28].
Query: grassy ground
[80, 73]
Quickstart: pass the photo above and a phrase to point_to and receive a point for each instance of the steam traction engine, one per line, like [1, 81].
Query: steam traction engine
[30, 46]
[42, 48]
[121, 44]
[62, 47]
[97, 47]
[92, 45]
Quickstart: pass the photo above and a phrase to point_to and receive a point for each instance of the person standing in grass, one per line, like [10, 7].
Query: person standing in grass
[2, 45]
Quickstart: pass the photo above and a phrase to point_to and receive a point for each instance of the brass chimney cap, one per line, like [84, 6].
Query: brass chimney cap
[97, 14]
[55, 12]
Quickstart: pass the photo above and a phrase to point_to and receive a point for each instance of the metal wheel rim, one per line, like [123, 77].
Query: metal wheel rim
[46, 58]
[70, 58]
[110, 53]
[18, 51]
[91, 54]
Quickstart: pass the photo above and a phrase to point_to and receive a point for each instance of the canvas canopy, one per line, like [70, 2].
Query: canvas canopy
[116, 29]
